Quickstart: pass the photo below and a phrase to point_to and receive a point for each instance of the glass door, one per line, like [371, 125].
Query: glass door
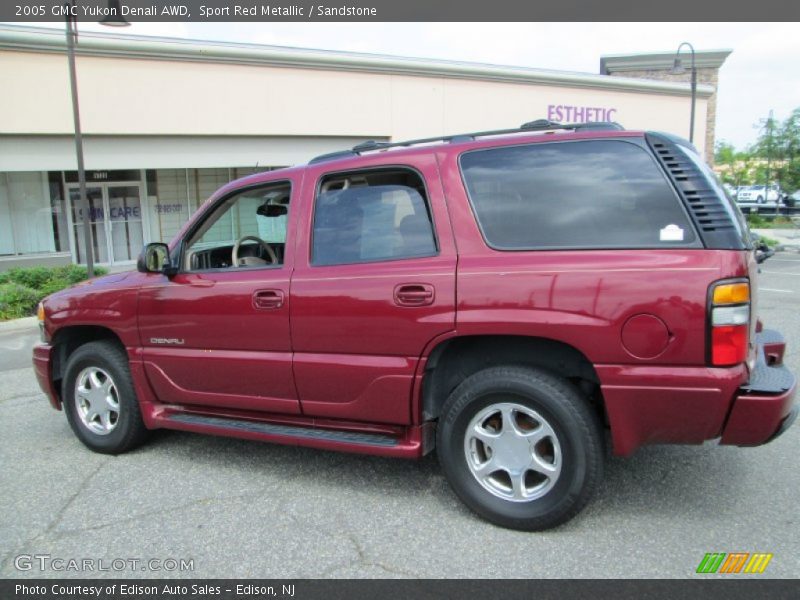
[115, 220]
[97, 223]
[125, 219]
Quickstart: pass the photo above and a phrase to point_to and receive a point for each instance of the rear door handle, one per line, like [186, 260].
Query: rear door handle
[267, 299]
[414, 294]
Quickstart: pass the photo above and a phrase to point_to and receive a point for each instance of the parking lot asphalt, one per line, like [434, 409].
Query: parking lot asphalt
[245, 509]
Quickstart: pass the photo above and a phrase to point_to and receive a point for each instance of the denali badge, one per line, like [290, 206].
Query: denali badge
[166, 341]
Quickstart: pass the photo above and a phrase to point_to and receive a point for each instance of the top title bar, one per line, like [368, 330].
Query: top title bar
[134, 11]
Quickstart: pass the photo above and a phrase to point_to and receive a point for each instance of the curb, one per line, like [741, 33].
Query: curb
[18, 324]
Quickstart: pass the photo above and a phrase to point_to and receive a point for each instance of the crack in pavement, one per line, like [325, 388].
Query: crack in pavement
[363, 559]
[30, 398]
[159, 511]
[59, 515]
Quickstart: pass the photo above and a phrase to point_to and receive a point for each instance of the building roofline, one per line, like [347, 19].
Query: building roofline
[704, 59]
[41, 39]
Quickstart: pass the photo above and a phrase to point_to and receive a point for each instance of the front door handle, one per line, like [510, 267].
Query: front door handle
[267, 299]
[414, 294]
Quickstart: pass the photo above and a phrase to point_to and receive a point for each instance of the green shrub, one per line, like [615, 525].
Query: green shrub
[21, 289]
[756, 221]
[771, 242]
[54, 285]
[769, 222]
[17, 300]
[75, 273]
[32, 277]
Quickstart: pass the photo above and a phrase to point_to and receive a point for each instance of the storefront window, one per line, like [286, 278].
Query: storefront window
[32, 215]
[175, 194]
[167, 201]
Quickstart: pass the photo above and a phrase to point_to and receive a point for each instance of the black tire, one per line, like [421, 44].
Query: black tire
[759, 200]
[577, 430]
[127, 430]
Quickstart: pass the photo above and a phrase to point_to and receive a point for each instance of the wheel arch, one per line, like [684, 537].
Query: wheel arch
[68, 339]
[454, 359]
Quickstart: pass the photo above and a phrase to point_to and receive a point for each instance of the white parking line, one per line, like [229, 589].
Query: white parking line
[763, 289]
[780, 273]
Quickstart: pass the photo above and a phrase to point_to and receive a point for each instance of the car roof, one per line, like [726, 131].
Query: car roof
[374, 152]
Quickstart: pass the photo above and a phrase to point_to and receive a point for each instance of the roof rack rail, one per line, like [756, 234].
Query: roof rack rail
[537, 125]
[331, 156]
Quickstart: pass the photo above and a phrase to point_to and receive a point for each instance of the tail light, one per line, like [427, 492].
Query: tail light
[729, 316]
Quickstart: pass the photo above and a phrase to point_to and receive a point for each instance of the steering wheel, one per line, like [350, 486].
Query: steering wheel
[247, 261]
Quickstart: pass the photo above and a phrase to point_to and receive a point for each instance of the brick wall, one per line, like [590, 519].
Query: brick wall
[705, 75]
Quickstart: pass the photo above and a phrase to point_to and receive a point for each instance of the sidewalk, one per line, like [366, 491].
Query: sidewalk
[18, 324]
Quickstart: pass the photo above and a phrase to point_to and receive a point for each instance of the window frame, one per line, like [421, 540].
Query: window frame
[206, 214]
[387, 167]
[697, 243]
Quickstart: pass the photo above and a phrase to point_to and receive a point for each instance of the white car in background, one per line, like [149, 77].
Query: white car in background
[756, 193]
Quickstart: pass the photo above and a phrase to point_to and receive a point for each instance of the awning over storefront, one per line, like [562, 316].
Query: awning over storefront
[57, 153]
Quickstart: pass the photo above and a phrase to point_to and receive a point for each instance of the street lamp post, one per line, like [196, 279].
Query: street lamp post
[678, 69]
[72, 38]
[769, 166]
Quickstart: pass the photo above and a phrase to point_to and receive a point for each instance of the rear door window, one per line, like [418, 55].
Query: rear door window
[587, 194]
[370, 216]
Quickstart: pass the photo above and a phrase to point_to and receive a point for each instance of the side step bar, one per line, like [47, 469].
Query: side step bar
[408, 446]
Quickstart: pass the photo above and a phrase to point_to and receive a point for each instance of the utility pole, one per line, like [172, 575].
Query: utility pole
[769, 127]
[72, 35]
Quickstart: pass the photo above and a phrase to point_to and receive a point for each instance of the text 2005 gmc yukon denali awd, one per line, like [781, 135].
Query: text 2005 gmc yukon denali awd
[504, 297]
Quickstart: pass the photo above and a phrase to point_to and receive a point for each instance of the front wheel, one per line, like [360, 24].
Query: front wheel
[760, 200]
[521, 447]
[99, 399]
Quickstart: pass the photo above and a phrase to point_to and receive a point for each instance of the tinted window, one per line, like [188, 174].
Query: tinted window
[599, 194]
[371, 216]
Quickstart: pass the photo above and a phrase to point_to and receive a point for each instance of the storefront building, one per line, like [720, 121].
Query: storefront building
[167, 122]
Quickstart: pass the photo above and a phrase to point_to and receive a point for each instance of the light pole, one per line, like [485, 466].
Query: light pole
[678, 69]
[768, 127]
[72, 38]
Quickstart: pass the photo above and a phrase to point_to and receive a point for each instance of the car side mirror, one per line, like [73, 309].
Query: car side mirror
[763, 252]
[155, 259]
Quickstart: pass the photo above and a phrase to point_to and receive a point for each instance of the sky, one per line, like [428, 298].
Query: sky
[761, 74]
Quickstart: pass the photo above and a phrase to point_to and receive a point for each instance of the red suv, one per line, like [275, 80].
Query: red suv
[506, 297]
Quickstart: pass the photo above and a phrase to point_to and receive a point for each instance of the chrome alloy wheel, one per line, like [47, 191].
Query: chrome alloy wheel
[513, 452]
[97, 400]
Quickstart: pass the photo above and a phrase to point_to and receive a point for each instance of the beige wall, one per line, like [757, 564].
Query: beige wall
[142, 97]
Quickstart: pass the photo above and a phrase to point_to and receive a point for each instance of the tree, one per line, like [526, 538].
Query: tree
[789, 143]
[724, 153]
[778, 147]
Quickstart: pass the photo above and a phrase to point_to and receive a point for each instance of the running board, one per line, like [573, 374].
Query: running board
[409, 446]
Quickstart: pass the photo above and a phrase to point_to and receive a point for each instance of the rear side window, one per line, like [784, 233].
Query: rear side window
[371, 216]
[588, 194]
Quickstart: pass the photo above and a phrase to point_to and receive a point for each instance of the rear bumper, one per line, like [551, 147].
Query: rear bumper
[764, 407]
[690, 405]
[43, 369]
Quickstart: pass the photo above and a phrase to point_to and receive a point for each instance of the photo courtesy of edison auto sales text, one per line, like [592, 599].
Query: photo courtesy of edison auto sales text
[167, 589]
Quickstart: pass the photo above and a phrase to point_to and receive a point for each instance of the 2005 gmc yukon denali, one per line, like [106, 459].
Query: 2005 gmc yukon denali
[508, 298]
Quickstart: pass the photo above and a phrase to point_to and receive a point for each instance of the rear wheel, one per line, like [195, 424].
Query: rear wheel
[100, 400]
[521, 447]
